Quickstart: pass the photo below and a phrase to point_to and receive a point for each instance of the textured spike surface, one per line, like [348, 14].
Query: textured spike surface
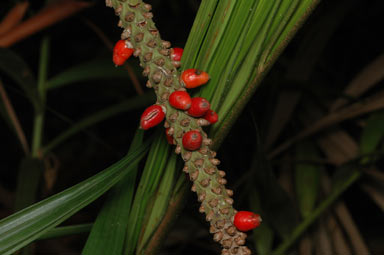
[201, 165]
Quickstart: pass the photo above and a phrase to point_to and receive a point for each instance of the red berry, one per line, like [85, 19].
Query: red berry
[180, 100]
[211, 116]
[169, 137]
[199, 107]
[121, 52]
[118, 60]
[176, 54]
[152, 116]
[193, 78]
[245, 221]
[192, 140]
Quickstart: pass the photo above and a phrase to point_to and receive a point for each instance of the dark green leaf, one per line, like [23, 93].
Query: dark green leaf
[307, 177]
[149, 182]
[373, 134]
[27, 225]
[160, 205]
[108, 231]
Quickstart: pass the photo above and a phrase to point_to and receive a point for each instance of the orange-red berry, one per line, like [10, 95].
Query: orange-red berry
[199, 107]
[121, 52]
[193, 78]
[245, 221]
[152, 116]
[180, 100]
[211, 116]
[176, 54]
[192, 140]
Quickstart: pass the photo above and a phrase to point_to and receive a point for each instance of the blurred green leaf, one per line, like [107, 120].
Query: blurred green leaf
[149, 182]
[27, 225]
[92, 70]
[307, 177]
[373, 134]
[160, 205]
[108, 231]
[342, 180]
[15, 67]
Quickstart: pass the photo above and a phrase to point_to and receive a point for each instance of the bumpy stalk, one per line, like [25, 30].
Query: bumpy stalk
[201, 165]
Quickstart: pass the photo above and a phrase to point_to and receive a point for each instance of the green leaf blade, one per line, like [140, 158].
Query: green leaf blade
[27, 225]
[108, 231]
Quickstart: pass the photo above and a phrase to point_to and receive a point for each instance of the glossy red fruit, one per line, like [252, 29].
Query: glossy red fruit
[245, 221]
[121, 52]
[192, 140]
[176, 54]
[152, 116]
[169, 137]
[211, 116]
[199, 107]
[193, 78]
[180, 100]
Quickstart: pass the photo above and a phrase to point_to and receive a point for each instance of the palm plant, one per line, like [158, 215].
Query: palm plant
[236, 42]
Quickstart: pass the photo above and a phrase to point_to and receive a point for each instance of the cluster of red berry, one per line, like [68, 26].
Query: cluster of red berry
[197, 107]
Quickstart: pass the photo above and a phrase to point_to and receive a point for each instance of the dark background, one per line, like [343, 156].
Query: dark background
[356, 41]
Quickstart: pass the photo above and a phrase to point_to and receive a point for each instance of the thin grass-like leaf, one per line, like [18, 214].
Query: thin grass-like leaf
[307, 177]
[149, 181]
[160, 205]
[108, 231]
[198, 32]
[27, 225]
[344, 179]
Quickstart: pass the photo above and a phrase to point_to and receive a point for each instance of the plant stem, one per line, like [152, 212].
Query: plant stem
[39, 114]
[303, 226]
[14, 119]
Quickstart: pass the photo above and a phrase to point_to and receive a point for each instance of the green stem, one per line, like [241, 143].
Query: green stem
[300, 229]
[43, 68]
[37, 133]
[41, 90]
